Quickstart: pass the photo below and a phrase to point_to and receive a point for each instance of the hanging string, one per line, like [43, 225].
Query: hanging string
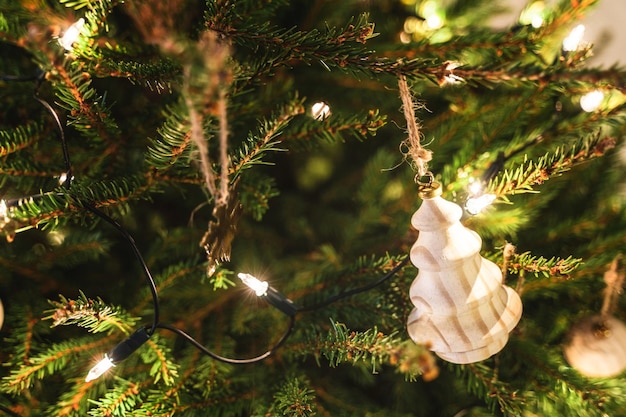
[412, 144]
[614, 279]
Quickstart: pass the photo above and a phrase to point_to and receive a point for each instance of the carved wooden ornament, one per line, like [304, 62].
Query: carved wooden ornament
[463, 312]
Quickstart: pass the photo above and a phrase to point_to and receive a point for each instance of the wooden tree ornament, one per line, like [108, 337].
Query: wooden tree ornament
[596, 346]
[463, 312]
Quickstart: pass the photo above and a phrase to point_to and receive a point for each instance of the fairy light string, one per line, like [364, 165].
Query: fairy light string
[129, 345]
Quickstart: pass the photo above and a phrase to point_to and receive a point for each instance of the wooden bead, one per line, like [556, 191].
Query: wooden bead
[596, 347]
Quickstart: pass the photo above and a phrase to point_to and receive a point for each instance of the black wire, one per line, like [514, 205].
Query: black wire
[67, 184]
[148, 275]
[66, 154]
[358, 290]
[19, 78]
[125, 234]
[8, 411]
[220, 358]
[139, 256]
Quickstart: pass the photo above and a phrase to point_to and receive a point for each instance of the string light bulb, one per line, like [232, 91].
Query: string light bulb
[572, 41]
[320, 110]
[433, 15]
[259, 287]
[478, 200]
[71, 34]
[4, 210]
[591, 101]
[450, 77]
[101, 367]
[475, 205]
[119, 353]
[533, 14]
[262, 289]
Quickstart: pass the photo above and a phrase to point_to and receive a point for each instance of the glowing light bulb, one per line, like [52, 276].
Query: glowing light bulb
[475, 205]
[434, 21]
[259, 287]
[320, 110]
[71, 34]
[533, 14]
[451, 77]
[4, 210]
[537, 22]
[475, 187]
[433, 15]
[119, 353]
[412, 24]
[572, 41]
[591, 101]
[101, 367]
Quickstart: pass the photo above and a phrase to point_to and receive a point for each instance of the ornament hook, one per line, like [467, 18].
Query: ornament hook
[427, 186]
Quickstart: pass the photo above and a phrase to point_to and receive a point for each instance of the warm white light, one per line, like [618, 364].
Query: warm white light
[572, 41]
[533, 14]
[405, 37]
[4, 210]
[475, 187]
[258, 286]
[62, 178]
[591, 101]
[412, 24]
[475, 205]
[320, 110]
[101, 367]
[434, 21]
[450, 77]
[71, 34]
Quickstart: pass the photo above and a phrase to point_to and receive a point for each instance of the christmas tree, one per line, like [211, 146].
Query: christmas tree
[219, 194]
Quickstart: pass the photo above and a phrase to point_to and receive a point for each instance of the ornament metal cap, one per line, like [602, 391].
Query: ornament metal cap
[428, 189]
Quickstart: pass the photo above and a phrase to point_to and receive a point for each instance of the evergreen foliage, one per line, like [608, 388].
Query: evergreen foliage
[188, 125]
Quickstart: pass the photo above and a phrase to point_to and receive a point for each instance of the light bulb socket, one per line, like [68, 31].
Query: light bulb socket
[278, 300]
[128, 346]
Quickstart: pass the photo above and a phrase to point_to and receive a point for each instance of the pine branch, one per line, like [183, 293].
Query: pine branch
[88, 112]
[124, 398]
[21, 339]
[75, 248]
[332, 129]
[21, 137]
[538, 265]
[53, 209]
[482, 382]
[94, 315]
[50, 361]
[157, 76]
[24, 174]
[531, 173]
[163, 367]
[278, 47]
[295, 399]
[342, 345]
[557, 389]
[173, 147]
[75, 400]
[255, 194]
[13, 21]
[265, 140]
